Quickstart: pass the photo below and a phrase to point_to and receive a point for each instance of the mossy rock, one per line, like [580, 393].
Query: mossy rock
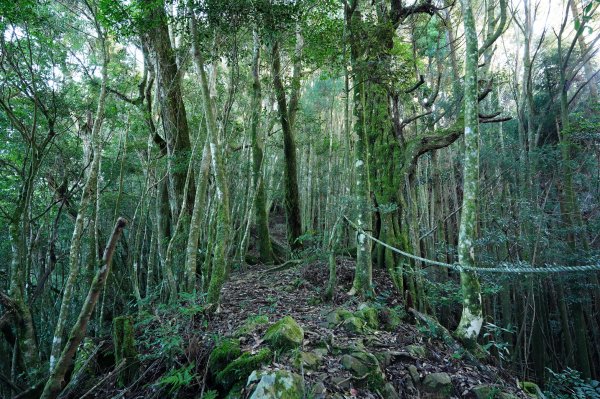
[308, 360]
[321, 351]
[389, 392]
[278, 384]
[414, 373]
[239, 369]
[417, 350]
[364, 368]
[223, 353]
[369, 315]
[485, 391]
[437, 385]
[252, 323]
[354, 325]
[336, 317]
[389, 319]
[318, 391]
[344, 349]
[384, 358]
[285, 334]
[530, 388]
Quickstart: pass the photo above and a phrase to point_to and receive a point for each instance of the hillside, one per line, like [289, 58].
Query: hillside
[348, 349]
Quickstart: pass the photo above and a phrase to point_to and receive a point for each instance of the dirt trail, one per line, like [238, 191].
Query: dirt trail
[296, 292]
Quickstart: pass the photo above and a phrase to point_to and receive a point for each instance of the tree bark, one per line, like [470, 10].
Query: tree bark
[56, 380]
[472, 316]
[292, 196]
[89, 193]
[260, 204]
[219, 268]
[363, 275]
[173, 114]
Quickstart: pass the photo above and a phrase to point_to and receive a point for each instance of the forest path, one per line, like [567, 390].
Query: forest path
[296, 292]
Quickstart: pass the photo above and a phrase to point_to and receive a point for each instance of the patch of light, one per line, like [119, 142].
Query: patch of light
[13, 33]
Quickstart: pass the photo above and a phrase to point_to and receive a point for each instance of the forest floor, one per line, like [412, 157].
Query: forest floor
[414, 360]
[296, 293]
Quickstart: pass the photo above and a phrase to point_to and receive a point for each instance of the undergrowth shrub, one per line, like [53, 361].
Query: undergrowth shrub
[569, 385]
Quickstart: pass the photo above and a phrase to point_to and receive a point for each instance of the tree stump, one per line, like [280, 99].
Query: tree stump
[125, 352]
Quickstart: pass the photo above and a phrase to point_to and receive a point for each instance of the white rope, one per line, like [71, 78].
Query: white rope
[507, 268]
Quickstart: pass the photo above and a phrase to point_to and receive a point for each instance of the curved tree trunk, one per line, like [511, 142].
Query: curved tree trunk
[56, 380]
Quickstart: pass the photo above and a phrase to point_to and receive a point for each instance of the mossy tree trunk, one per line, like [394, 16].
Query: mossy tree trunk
[472, 316]
[125, 351]
[219, 266]
[577, 237]
[87, 197]
[196, 220]
[362, 284]
[56, 380]
[292, 195]
[173, 114]
[260, 203]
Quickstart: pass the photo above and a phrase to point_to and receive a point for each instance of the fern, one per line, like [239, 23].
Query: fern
[210, 395]
[178, 378]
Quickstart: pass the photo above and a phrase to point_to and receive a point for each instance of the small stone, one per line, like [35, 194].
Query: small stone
[354, 325]
[417, 350]
[308, 360]
[318, 391]
[437, 385]
[389, 392]
[506, 395]
[341, 382]
[337, 316]
[414, 373]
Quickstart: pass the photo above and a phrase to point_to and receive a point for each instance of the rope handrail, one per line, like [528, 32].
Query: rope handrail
[508, 268]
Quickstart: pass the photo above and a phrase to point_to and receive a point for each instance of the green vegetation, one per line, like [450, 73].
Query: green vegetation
[193, 191]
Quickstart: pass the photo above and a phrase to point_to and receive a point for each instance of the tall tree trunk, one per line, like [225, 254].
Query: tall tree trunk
[260, 203]
[472, 316]
[174, 118]
[219, 268]
[196, 221]
[88, 194]
[292, 196]
[362, 284]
